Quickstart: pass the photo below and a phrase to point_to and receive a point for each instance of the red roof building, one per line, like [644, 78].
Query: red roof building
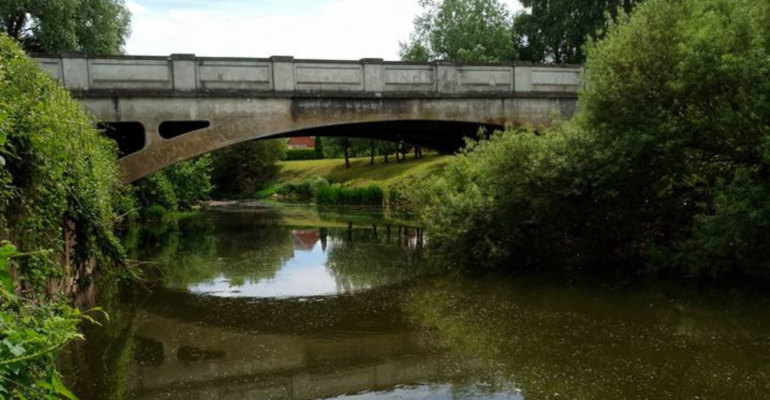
[305, 142]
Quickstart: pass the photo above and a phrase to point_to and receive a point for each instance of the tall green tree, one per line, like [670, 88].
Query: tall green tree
[98, 27]
[666, 164]
[244, 168]
[339, 146]
[461, 30]
[555, 31]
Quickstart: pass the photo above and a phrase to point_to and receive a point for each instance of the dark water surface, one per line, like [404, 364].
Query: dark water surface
[290, 303]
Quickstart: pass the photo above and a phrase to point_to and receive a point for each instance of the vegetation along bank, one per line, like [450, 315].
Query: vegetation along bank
[665, 168]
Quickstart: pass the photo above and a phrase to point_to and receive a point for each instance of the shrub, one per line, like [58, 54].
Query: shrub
[57, 168]
[303, 191]
[337, 195]
[191, 181]
[244, 168]
[301, 154]
[157, 189]
[32, 331]
[674, 111]
[176, 188]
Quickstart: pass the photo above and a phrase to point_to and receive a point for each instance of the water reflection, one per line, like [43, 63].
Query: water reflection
[256, 305]
[254, 254]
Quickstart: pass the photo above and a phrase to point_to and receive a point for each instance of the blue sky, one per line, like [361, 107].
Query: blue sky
[329, 29]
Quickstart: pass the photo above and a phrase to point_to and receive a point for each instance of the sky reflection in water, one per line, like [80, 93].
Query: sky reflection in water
[304, 275]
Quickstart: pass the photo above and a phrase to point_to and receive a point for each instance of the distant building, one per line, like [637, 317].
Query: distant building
[304, 142]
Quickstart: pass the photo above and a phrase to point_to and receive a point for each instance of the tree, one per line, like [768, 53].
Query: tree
[372, 150]
[244, 168]
[554, 31]
[665, 166]
[336, 146]
[386, 148]
[461, 30]
[319, 148]
[97, 27]
[704, 69]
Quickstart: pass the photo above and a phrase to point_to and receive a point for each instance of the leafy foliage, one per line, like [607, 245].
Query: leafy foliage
[337, 195]
[245, 167]
[461, 30]
[58, 170]
[555, 31]
[320, 191]
[98, 27]
[31, 333]
[665, 162]
[302, 154]
[178, 187]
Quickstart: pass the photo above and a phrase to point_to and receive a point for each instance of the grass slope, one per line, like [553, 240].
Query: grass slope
[385, 175]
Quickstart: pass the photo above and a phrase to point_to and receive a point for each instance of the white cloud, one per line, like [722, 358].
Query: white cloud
[136, 8]
[327, 29]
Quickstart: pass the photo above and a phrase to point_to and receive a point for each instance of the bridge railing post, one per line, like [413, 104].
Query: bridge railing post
[75, 71]
[283, 73]
[374, 75]
[522, 72]
[446, 76]
[184, 73]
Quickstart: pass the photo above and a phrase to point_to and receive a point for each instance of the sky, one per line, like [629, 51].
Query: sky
[310, 29]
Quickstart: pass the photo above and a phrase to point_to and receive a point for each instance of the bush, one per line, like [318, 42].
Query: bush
[303, 191]
[36, 329]
[319, 190]
[58, 168]
[191, 181]
[336, 195]
[176, 188]
[301, 154]
[243, 168]
[674, 111]
[157, 189]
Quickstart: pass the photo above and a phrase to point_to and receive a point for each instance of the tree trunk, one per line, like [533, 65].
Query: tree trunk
[15, 27]
[347, 156]
[386, 157]
[371, 149]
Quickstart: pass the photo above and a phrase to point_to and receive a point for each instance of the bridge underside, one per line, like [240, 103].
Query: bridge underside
[157, 132]
[444, 136]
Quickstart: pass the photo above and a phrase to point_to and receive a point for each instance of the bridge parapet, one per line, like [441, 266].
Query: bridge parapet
[181, 74]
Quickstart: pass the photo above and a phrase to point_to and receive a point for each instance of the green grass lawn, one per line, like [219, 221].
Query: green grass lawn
[385, 175]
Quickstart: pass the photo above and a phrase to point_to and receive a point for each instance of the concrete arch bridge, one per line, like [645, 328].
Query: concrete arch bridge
[163, 110]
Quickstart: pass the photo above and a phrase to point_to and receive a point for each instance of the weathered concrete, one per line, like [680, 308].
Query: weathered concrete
[245, 99]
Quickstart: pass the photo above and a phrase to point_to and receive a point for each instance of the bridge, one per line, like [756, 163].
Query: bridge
[163, 110]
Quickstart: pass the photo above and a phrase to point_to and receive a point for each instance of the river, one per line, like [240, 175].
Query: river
[275, 302]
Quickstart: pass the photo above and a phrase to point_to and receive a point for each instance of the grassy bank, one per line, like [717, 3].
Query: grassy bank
[392, 179]
[385, 175]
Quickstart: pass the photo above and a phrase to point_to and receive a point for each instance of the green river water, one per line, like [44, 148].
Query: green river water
[265, 303]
